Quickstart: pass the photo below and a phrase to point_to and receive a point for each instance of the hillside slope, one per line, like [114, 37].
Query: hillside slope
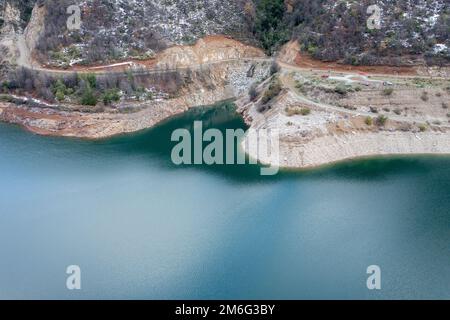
[14, 17]
[411, 31]
[119, 29]
[337, 30]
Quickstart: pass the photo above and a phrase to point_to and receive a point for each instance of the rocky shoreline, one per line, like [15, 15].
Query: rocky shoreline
[224, 82]
[315, 131]
[328, 150]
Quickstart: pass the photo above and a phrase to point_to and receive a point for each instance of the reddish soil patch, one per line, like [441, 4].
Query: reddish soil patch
[149, 63]
[27, 114]
[305, 61]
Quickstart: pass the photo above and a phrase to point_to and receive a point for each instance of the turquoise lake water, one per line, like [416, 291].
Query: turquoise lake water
[141, 228]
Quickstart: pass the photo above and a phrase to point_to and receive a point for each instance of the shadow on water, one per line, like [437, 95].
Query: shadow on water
[157, 145]
[157, 142]
[154, 146]
[381, 168]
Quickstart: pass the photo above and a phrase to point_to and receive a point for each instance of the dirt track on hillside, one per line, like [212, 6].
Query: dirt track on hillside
[305, 61]
[214, 49]
[292, 55]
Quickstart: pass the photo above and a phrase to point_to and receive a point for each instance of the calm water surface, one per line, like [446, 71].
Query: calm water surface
[140, 227]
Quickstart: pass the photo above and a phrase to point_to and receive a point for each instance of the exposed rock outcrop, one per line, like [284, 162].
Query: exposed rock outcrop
[205, 51]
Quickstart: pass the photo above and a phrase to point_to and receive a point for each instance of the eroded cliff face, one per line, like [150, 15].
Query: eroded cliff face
[15, 14]
[35, 26]
[10, 18]
[10, 25]
[207, 50]
[14, 17]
